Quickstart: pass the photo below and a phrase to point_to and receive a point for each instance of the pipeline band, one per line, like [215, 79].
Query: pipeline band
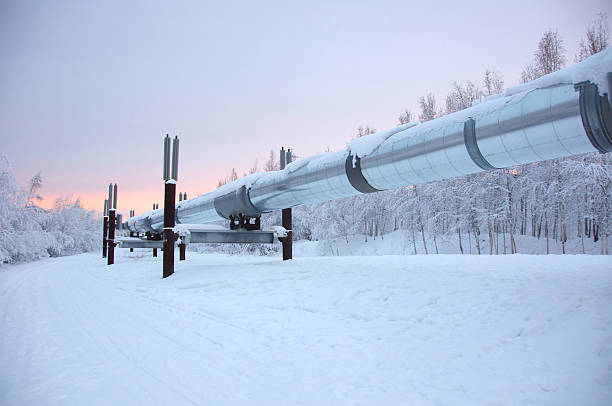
[235, 203]
[355, 176]
[469, 137]
[596, 116]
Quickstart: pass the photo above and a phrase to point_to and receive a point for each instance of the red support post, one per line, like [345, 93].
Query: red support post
[182, 252]
[104, 234]
[111, 237]
[288, 240]
[169, 237]
[285, 159]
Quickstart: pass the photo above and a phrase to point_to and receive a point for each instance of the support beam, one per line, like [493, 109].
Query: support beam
[231, 236]
[155, 252]
[138, 243]
[111, 237]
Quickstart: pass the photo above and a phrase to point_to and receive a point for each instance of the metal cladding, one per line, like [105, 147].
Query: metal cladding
[110, 196]
[175, 157]
[166, 171]
[556, 116]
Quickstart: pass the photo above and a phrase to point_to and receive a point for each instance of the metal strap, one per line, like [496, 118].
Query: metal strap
[355, 176]
[596, 116]
[469, 137]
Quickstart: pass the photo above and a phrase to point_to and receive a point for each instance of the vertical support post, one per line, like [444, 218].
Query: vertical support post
[288, 240]
[170, 178]
[155, 252]
[169, 197]
[104, 228]
[285, 158]
[105, 233]
[182, 252]
[111, 236]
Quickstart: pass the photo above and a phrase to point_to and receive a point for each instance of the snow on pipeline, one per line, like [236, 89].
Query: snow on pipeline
[241, 330]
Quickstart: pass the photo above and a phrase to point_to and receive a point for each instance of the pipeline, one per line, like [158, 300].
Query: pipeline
[558, 115]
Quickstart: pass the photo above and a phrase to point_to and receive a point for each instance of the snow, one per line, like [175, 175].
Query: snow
[184, 230]
[365, 145]
[279, 231]
[400, 243]
[595, 69]
[300, 163]
[242, 330]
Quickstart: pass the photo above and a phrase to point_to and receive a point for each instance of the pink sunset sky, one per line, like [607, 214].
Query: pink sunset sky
[89, 89]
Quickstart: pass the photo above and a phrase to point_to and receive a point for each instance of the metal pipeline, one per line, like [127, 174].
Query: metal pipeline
[556, 116]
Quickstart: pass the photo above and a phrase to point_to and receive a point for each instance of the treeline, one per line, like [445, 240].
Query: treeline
[553, 200]
[29, 232]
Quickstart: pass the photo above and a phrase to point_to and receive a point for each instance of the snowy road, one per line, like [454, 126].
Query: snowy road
[414, 330]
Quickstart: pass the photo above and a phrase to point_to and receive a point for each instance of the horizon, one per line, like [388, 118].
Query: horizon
[235, 83]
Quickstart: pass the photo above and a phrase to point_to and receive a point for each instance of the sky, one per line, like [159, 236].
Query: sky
[88, 89]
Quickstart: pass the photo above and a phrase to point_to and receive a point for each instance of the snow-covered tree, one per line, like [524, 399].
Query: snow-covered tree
[548, 58]
[365, 130]
[492, 83]
[29, 232]
[272, 163]
[429, 108]
[597, 38]
[405, 117]
[462, 96]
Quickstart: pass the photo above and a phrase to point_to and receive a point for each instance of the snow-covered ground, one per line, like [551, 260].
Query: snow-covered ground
[243, 330]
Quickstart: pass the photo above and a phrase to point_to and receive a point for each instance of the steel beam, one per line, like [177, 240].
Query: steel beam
[139, 243]
[231, 236]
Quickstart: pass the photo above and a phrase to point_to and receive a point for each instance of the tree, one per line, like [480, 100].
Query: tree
[462, 97]
[233, 175]
[271, 164]
[529, 73]
[429, 108]
[492, 83]
[35, 185]
[362, 131]
[254, 168]
[405, 117]
[29, 232]
[597, 38]
[549, 57]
